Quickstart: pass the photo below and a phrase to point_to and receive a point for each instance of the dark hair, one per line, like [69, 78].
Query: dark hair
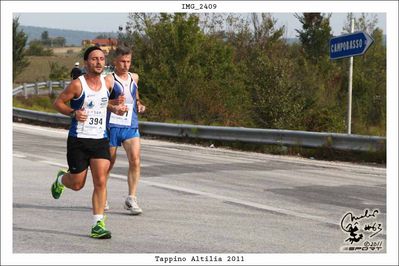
[122, 50]
[89, 50]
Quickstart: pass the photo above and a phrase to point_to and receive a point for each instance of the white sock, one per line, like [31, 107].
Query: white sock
[96, 218]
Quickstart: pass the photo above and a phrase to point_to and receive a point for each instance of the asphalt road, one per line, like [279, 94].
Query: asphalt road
[198, 200]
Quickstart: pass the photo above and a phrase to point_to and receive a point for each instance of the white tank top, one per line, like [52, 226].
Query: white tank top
[95, 104]
[126, 87]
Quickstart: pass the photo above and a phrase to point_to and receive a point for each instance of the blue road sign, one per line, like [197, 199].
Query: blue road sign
[351, 44]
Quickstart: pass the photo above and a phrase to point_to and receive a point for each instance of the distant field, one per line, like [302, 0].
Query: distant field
[39, 68]
[66, 50]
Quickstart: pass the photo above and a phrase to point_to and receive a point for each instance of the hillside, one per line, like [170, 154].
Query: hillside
[72, 37]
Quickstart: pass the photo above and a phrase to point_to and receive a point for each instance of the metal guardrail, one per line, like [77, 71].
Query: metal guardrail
[35, 88]
[248, 135]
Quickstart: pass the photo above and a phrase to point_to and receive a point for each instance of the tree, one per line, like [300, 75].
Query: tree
[59, 41]
[365, 22]
[19, 42]
[46, 41]
[265, 30]
[36, 48]
[104, 36]
[319, 78]
[186, 75]
[261, 54]
[277, 99]
[44, 36]
[315, 34]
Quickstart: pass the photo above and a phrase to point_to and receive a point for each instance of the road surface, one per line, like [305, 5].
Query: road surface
[198, 200]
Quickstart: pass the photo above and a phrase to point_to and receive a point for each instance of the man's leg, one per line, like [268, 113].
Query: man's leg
[69, 180]
[77, 163]
[112, 151]
[132, 148]
[99, 169]
[74, 181]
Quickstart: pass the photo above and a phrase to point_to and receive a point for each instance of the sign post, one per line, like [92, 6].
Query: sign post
[350, 45]
[350, 87]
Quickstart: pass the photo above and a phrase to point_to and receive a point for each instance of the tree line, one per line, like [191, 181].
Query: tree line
[235, 70]
[43, 47]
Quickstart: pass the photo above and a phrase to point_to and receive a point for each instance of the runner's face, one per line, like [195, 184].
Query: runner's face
[122, 63]
[95, 62]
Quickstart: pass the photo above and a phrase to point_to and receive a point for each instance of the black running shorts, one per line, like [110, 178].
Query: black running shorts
[81, 150]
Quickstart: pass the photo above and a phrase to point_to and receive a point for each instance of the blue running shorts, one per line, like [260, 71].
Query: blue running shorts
[117, 135]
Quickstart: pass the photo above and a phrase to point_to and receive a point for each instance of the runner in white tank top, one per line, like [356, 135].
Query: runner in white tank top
[124, 130]
[87, 144]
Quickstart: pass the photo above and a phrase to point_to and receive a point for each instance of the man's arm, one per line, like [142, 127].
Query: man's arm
[115, 105]
[73, 90]
[109, 82]
[140, 106]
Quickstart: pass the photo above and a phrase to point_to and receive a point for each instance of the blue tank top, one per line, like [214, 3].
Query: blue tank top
[128, 88]
[95, 104]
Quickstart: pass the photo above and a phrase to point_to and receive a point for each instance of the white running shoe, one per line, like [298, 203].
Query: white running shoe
[106, 208]
[132, 206]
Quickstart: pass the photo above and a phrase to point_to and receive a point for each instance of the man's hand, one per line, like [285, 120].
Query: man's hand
[120, 100]
[81, 115]
[117, 106]
[119, 109]
[140, 107]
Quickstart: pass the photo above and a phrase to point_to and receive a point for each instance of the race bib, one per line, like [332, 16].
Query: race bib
[123, 120]
[95, 123]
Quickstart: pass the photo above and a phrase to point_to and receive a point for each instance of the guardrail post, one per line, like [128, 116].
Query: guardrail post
[25, 91]
[37, 88]
[50, 87]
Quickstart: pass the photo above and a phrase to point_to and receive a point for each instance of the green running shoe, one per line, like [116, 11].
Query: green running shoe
[56, 188]
[99, 231]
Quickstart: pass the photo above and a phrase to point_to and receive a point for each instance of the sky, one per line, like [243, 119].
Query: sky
[90, 21]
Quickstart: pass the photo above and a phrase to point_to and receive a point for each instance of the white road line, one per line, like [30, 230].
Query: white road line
[19, 155]
[41, 158]
[54, 164]
[230, 199]
[44, 160]
[44, 129]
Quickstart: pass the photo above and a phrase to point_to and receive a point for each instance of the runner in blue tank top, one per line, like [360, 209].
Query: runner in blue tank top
[124, 129]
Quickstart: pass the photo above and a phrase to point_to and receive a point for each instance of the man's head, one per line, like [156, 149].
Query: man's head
[123, 59]
[94, 60]
[77, 64]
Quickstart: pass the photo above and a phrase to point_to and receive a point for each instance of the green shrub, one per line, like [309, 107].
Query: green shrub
[58, 72]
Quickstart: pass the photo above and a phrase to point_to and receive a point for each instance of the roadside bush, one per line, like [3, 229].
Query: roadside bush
[37, 49]
[58, 72]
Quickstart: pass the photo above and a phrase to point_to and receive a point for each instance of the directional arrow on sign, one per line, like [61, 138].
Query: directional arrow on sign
[349, 45]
